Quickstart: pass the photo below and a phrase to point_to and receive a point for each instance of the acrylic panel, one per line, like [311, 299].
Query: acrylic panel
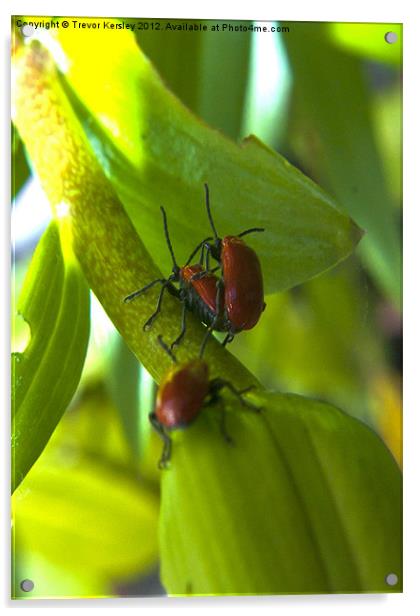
[206, 383]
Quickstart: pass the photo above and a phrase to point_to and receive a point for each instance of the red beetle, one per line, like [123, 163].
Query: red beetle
[181, 396]
[228, 304]
[243, 282]
[199, 295]
[241, 275]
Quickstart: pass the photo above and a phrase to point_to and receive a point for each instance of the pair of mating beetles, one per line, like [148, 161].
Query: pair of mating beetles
[231, 303]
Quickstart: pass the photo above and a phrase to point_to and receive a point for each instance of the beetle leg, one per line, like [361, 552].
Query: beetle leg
[207, 335]
[150, 320]
[212, 251]
[210, 329]
[200, 275]
[247, 389]
[207, 249]
[196, 249]
[223, 430]
[144, 289]
[220, 290]
[166, 349]
[219, 384]
[183, 327]
[167, 443]
[229, 338]
[207, 258]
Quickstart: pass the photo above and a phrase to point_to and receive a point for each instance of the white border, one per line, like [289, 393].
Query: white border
[356, 10]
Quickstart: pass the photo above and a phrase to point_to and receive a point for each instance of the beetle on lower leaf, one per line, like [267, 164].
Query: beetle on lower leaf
[183, 393]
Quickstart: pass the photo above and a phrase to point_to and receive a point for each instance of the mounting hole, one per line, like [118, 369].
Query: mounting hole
[27, 30]
[391, 579]
[27, 585]
[391, 37]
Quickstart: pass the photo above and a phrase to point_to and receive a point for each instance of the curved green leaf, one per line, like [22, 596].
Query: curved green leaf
[110, 252]
[20, 168]
[55, 303]
[156, 152]
[307, 500]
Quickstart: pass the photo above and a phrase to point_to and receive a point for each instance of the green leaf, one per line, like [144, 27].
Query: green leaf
[110, 252]
[307, 500]
[55, 303]
[335, 123]
[156, 152]
[20, 167]
[177, 59]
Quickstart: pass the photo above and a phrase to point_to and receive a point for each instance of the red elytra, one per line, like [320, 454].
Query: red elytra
[241, 275]
[243, 282]
[182, 393]
[205, 287]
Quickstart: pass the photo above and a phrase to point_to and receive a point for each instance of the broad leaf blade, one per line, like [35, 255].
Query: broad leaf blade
[55, 303]
[158, 153]
[307, 500]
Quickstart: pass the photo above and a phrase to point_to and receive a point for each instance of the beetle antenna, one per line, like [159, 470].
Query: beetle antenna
[253, 230]
[168, 240]
[166, 348]
[209, 213]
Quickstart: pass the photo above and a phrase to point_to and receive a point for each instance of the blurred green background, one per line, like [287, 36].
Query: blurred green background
[328, 98]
